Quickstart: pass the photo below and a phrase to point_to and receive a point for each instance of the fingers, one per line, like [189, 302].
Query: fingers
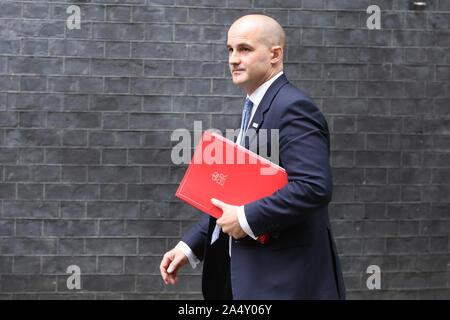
[221, 205]
[170, 264]
[163, 268]
[222, 222]
[168, 268]
[174, 265]
[218, 203]
[229, 222]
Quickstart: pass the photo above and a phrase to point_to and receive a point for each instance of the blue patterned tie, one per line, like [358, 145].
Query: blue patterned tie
[245, 119]
[244, 123]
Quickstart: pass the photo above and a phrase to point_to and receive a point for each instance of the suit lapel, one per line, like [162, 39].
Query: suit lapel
[264, 105]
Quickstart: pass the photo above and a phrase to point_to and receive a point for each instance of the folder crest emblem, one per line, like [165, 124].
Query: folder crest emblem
[219, 178]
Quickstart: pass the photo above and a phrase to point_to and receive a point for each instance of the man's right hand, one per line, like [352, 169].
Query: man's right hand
[172, 261]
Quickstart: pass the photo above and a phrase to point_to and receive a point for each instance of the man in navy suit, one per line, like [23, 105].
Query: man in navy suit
[300, 259]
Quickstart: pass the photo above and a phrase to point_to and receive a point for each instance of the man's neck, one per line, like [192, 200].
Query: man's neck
[273, 74]
[259, 93]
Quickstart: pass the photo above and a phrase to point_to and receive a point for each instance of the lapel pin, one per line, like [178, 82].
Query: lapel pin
[254, 125]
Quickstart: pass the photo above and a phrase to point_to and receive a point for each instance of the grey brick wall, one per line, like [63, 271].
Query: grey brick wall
[86, 116]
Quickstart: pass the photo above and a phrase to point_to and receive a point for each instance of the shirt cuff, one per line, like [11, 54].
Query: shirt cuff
[243, 222]
[193, 260]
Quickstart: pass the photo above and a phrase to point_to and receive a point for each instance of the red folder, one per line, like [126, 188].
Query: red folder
[226, 171]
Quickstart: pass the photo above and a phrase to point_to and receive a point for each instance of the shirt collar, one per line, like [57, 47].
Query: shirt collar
[259, 93]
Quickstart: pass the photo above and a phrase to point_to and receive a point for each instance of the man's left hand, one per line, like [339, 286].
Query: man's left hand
[229, 221]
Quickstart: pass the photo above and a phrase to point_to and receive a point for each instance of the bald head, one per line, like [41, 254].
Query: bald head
[269, 31]
[255, 45]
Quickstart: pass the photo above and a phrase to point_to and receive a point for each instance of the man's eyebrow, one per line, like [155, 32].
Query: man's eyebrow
[242, 44]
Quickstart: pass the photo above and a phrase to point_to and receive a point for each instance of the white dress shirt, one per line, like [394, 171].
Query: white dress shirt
[255, 98]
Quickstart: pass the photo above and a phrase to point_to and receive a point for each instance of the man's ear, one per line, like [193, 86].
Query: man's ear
[277, 54]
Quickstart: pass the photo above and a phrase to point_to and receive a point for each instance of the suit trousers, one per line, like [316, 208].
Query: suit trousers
[218, 277]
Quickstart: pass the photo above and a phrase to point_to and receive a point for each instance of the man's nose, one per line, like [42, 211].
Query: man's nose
[233, 58]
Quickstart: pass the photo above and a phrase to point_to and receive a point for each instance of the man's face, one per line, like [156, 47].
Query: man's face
[249, 57]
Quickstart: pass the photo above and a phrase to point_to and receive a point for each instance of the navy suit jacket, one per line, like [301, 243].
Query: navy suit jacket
[302, 262]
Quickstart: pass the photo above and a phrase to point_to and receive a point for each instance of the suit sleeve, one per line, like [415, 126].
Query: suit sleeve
[195, 238]
[304, 154]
